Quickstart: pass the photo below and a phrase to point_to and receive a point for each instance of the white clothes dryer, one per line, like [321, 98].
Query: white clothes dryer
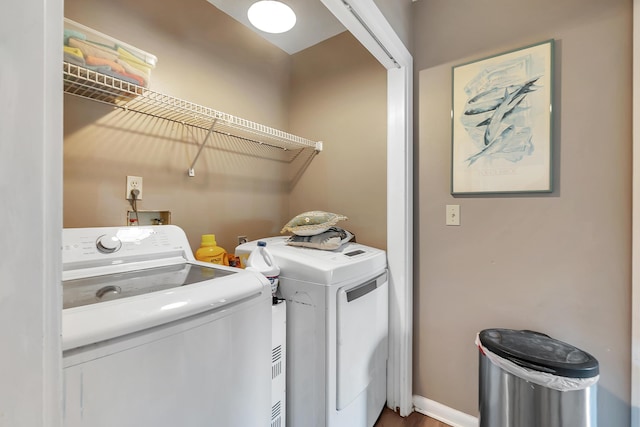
[337, 327]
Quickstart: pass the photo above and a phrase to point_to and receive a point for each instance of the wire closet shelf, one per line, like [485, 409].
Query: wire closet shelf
[86, 83]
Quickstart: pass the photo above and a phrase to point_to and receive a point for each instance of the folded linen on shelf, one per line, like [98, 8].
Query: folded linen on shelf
[101, 53]
[107, 67]
[72, 59]
[139, 81]
[129, 69]
[93, 49]
[133, 59]
[73, 33]
[74, 56]
[96, 60]
[99, 68]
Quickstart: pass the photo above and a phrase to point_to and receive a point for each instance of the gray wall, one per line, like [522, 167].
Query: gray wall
[558, 263]
[338, 93]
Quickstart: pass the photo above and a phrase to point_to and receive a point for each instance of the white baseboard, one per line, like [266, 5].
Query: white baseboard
[443, 413]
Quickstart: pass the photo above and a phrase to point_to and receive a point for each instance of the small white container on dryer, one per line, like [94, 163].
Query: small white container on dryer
[262, 261]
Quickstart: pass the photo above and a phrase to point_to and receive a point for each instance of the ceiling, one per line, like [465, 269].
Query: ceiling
[315, 23]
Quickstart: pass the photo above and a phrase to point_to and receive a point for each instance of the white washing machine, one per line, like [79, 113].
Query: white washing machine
[337, 327]
[152, 337]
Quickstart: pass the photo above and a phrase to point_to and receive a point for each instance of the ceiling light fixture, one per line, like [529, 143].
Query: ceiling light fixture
[271, 16]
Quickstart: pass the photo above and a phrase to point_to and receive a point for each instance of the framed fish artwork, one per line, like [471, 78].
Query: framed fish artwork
[502, 122]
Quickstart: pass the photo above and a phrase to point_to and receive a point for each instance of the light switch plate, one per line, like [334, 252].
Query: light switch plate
[453, 215]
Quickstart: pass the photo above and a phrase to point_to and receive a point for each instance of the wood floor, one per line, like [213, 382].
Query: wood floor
[388, 418]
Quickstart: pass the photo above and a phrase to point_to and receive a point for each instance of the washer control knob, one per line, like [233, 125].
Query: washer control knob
[108, 243]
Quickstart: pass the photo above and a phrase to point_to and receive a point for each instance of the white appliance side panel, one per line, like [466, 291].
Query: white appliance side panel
[362, 331]
[278, 364]
[306, 382]
[215, 373]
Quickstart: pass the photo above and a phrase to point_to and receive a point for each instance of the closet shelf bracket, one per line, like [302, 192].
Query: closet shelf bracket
[191, 172]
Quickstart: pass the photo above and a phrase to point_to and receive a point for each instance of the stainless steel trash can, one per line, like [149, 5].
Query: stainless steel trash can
[528, 379]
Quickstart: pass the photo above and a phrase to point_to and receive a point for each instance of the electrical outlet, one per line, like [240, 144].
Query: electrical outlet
[242, 239]
[134, 183]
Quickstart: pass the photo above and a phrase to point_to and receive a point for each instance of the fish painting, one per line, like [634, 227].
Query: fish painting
[502, 122]
[495, 114]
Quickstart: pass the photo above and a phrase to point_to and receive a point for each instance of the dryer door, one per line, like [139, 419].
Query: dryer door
[362, 328]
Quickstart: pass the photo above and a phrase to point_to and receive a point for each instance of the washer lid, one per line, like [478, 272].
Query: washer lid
[92, 323]
[537, 351]
[108, 287]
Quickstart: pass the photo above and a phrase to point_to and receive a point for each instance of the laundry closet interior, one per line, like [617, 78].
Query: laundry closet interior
[333, 92]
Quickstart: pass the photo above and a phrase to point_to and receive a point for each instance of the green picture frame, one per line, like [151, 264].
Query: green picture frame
[502, 122]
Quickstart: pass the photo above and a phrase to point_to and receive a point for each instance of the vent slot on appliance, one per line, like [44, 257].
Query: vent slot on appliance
[276, 361]
[276, 415]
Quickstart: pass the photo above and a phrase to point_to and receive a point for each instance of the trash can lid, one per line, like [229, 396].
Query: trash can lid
[534, 350]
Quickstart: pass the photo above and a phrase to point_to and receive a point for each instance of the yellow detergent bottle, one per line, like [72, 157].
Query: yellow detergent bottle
[209, 251]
